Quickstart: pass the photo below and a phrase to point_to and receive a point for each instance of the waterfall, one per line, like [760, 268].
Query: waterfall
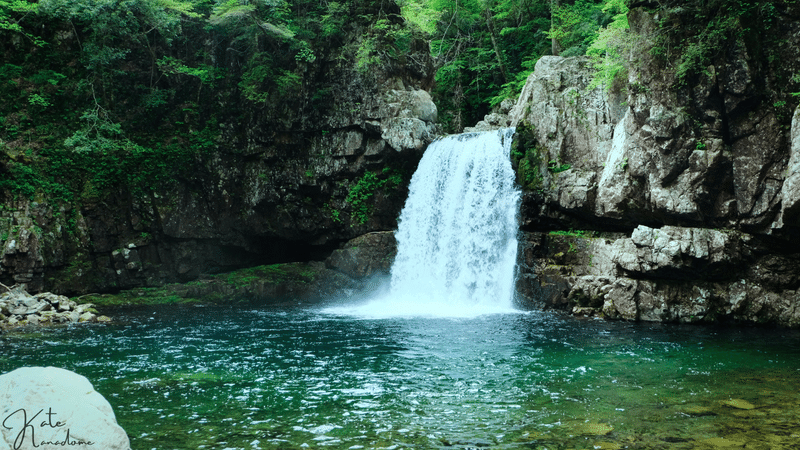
[457, 235]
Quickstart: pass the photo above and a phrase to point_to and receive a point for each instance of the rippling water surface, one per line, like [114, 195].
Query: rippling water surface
[212, 377]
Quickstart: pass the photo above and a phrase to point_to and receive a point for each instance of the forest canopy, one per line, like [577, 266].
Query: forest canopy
[485, 49]
[143, 83]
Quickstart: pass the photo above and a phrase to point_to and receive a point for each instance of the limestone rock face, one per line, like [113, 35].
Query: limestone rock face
[678, 253]
[496, 120]
[640, 160]
[667, 274]
[61, 409]
[701, 181]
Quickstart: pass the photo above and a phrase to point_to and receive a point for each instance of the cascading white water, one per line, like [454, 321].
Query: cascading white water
[457, 237]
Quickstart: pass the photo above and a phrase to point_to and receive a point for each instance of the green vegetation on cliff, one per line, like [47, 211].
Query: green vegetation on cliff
[125, 95]
[485, 49]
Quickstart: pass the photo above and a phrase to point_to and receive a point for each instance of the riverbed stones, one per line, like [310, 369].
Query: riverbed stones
[49, 407]
[18, 308]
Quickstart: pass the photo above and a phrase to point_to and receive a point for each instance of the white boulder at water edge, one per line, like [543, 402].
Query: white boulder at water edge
[48, 407]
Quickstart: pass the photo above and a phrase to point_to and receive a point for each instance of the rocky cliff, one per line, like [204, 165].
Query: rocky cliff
[282, 182]
[681, 190]
[685, 194]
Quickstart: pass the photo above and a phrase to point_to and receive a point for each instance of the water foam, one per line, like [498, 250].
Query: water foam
[457, 236]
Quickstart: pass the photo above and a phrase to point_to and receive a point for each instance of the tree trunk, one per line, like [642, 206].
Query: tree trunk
[490, 24]
[554, 5]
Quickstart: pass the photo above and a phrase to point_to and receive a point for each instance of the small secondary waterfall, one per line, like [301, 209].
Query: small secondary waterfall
[457, 236]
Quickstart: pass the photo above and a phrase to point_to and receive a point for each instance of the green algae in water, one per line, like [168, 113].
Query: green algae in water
[217, 377]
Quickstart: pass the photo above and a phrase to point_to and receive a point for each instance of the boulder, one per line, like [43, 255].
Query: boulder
[364, 256]
[48, 407]
[677, 252]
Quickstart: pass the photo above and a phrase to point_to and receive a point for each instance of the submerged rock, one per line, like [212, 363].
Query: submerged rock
[738, 404]
[48, 407]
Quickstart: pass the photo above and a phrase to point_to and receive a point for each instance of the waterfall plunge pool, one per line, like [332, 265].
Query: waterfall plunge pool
[380, 376]
[249, 378]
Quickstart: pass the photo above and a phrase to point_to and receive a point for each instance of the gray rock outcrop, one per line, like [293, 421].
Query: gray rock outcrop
[699, 183]
[365, 256]
[48, 407]
[669, 274]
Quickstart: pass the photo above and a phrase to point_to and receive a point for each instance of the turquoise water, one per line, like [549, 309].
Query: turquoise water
[224, 378]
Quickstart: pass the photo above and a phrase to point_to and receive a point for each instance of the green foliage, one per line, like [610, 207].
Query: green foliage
[259, 73]
[575, 25]
[20, 180]
[611, 48]
[123, 18]
[485, 49]
[526, 156]
[528, 172]
[122, 100]
[8, 74]
[333, 20]
[205, 73]
[420, 15]
[554, 167]
[38, 100]
[360, 193]
[384, 41]
[334, 213]
[570, 232]
[692, 34]
[366, 55]
[13, 13]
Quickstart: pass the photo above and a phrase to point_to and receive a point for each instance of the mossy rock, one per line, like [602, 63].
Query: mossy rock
[738, 404]
[721, 443]
[698, 411]
[262, 284]
[591, 428]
